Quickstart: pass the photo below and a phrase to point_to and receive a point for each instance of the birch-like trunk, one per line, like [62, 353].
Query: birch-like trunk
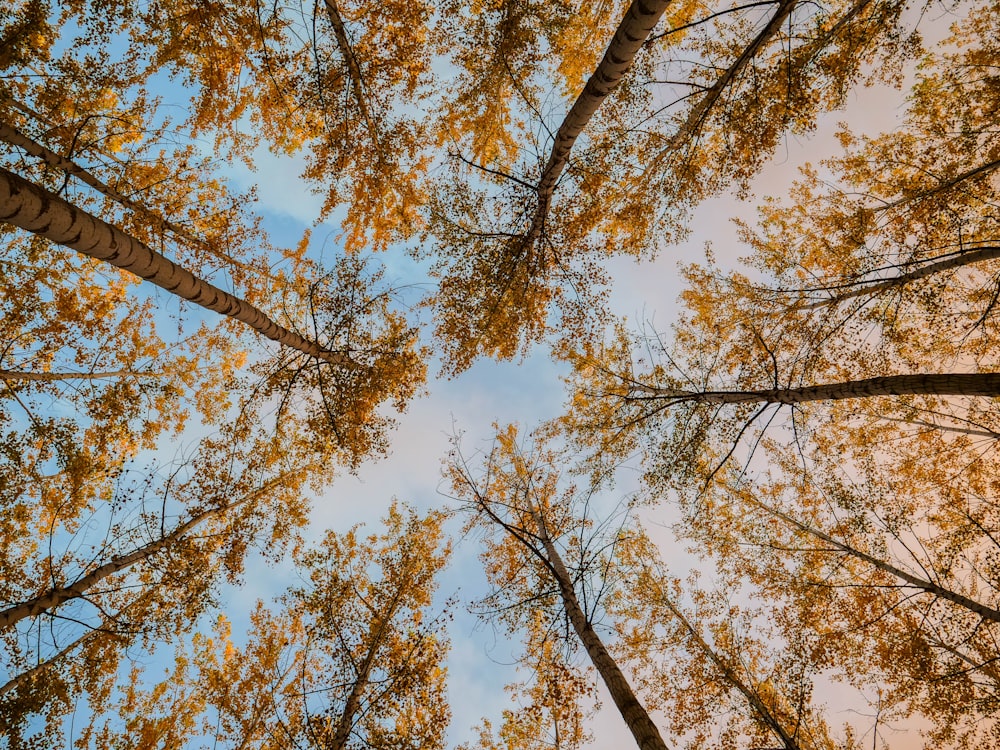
[696, 117]
[18, 139]
[640, 19]
[50, 377]
[79, 588]
[646, 734]
[37, 210]
[353, 70]
[943, 384]
[361, 681]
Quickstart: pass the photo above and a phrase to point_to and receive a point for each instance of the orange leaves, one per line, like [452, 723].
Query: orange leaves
[352, 655]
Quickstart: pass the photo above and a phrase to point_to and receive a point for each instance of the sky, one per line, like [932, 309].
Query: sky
[526, 392]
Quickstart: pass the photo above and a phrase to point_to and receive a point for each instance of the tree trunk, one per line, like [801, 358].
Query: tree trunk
[945, 384]
[49, 377]
[354, 71]
[106, 628]
[955, 260]
[640, 19]
[37, 210]
[647, 736]
[20, 140]
[353, 703]
[62, 594]
[696, 117]
[732, 678]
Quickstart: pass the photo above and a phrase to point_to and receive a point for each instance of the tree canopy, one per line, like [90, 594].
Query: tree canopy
[810, 525]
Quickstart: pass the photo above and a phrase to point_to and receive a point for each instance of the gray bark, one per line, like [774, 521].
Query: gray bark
[759, 707]
[48, 377]
[79, 588]
[353, 69]
[16, 138]
[646, 734]
[868, 289]
[640, 19]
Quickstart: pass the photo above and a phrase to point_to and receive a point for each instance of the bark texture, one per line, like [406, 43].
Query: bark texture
[78, 588]
[35, 209]
[640, 19]
[361, 682]
[935, 384]
[353, 69]
[62, 594]
[49, 377]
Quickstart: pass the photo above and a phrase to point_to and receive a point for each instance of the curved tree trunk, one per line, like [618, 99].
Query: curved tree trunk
[16, 138]
[49, 377]
[943, 384]
[37, 210]
[345, 722]
[354, 71]
[696, 117]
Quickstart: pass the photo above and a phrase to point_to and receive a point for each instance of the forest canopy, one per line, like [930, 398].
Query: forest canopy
[770, 521]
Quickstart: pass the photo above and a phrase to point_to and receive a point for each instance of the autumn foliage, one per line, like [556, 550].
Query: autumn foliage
[814, 433]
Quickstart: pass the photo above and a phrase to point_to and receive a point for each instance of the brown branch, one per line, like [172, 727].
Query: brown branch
[944, 384]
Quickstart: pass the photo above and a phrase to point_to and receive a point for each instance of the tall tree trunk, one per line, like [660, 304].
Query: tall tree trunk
[107, 627]
[944, 384]
[353, 703]
[37, 210]
[640, 19]
[696, 117]
[16, 138]
[79, 588]
[646, 734]
[353, 70]
[49, 377]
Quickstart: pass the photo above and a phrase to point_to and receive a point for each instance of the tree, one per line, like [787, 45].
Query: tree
[508, 250]
[861, 521]
[352, 658]
[30, 207]
[724, 665]
[517, 500]
[525, 143]
[84, 596]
